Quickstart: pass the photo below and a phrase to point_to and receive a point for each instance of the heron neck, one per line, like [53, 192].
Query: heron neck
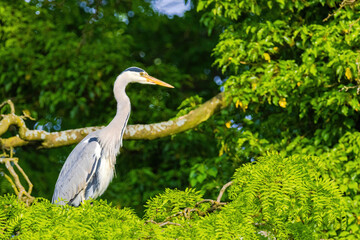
[111, 136]
[118, 124]
[122, 116]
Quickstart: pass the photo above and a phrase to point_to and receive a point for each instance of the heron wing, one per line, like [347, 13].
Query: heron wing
[78, 170]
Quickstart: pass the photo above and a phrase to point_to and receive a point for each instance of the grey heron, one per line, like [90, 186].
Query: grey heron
[89, 169]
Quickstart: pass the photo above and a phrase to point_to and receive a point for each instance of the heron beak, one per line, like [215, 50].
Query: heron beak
[157, 81]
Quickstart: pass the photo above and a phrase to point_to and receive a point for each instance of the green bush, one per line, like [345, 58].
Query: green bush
[276, 197]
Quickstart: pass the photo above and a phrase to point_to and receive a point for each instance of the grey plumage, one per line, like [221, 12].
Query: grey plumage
[77, 170]
[89, 168]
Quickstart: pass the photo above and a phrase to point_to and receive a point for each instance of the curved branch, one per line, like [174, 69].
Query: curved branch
[180, 124]
[138, 131]
[223, 190]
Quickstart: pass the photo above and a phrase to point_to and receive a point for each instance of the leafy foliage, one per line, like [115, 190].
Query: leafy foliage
[289, 68]
[293, 78]
[171, 202]
[188, 104]
[275, 191]
[46, 221]
[290, 201]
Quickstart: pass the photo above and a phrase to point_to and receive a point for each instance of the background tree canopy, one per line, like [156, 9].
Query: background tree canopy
[59, 61]
[289, 69]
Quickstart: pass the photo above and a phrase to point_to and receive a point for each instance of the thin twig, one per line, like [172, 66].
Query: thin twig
[151, 221]
[174, 215]
[346, 88]
[204, 201]
[11, 183]
[11, 104]
[351, 25]
[12, 172]
[188, 211]
[161, 224]
[26, 115]
[169, 223]
[26, 178]
[223, 190]
[342, 5]
[16, 184]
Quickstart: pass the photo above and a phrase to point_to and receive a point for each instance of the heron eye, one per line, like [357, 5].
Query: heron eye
[142, 74]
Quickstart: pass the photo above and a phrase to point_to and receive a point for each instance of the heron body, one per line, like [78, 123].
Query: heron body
[89, 169]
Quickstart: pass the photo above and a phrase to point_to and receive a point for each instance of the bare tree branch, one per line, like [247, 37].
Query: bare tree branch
[342, 4]
[138, 131]
[169, 223]
[180, 124]
[223, 190]
[19, 189]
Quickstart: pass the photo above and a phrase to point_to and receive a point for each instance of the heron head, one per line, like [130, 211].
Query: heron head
[135, 74]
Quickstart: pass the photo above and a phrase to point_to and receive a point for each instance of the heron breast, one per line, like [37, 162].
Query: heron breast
[104, 176]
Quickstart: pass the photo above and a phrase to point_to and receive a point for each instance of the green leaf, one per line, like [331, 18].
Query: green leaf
[212, 172]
